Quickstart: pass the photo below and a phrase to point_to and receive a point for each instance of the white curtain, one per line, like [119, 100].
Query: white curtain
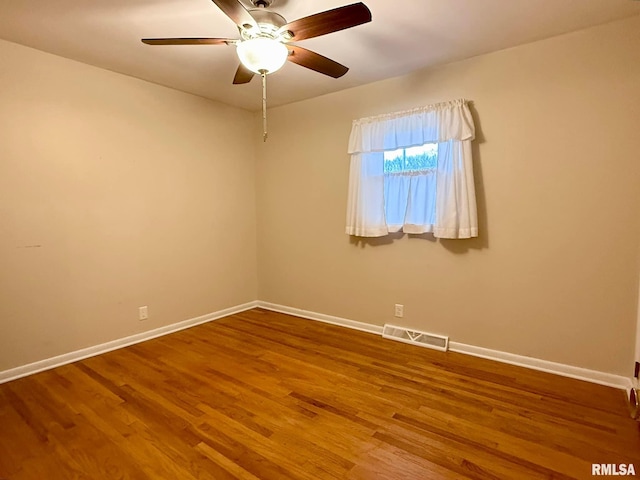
[440, 201]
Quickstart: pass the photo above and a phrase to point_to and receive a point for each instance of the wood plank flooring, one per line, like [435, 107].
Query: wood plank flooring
[261, 395]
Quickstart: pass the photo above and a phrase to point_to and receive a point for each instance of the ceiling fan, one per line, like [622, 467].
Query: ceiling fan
[265, 39]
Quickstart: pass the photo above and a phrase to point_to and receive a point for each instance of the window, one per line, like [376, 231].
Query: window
[410, 187]
[411, 160]
[412, 172]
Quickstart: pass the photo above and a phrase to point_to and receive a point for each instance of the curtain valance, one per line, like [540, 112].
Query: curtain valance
[430, 124]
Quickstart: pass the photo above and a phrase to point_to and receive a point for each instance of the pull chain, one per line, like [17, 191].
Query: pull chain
[264, 105]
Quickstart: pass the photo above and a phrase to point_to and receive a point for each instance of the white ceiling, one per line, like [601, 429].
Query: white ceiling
[404, 35]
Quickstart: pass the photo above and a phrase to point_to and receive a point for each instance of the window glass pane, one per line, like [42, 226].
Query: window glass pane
[394, 161]
[422, 157]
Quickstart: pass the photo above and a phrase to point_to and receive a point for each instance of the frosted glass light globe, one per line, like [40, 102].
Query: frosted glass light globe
[262, 54]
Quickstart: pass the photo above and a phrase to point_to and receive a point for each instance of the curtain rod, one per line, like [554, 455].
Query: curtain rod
[423, 109]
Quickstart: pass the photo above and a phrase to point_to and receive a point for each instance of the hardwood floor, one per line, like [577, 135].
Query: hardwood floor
[260, 395]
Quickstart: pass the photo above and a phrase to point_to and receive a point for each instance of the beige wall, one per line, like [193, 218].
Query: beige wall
[557, 162]
[115, 193]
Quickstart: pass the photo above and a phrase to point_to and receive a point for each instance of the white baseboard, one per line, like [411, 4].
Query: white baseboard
[593, 376]
[49, 363]
[321, 317]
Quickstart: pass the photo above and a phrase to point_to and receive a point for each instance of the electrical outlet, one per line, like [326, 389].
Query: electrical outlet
[143, 313]
[399, 310]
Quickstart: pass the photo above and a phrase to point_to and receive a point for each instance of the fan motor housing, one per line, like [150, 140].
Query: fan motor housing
[268, 24]
[267, 17]
[262, 3]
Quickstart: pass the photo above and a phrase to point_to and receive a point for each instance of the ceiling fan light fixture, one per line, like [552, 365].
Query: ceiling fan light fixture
[262, 54]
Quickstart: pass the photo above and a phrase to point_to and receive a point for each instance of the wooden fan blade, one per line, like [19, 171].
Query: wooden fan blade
[315, 61]
[186, 41]
[328, 22]
[236, 12]
[243, 75]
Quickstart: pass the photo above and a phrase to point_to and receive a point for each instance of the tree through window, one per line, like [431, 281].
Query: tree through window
[411, 159]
